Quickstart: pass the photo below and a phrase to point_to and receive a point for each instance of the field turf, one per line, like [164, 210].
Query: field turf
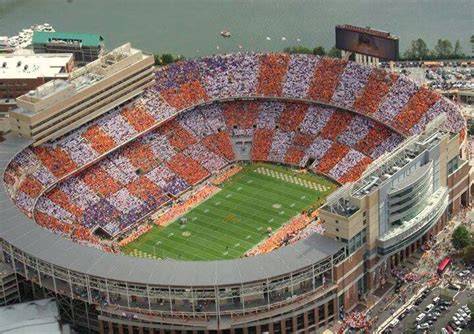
[236, 218]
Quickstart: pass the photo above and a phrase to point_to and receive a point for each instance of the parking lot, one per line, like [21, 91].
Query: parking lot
[440, 314]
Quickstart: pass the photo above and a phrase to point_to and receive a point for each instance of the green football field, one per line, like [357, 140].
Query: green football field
[237, 217]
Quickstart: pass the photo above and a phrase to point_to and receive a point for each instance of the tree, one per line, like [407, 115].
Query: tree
[417, 50]
[460, 237]
[468, 255]
[319, 51]
[297, 49]
[472, 44]
[157, 59]
[458, 51]
[444, 49]
[167, 58]
[471, 129]
[334, 52]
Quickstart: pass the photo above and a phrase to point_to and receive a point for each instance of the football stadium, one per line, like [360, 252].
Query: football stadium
[236, 193]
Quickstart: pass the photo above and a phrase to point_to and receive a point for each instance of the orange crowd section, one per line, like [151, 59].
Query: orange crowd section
[286, 232]
[241, 114]
[336, 125]
[326, 77]
[138, 118]
[140, 156]
[181, 208]
[355, 172]
[186, 95]
[374, 138]
[261, 144]
[294, 156]
[273, 67]
[335, 153]
[178, 136]
[303, 140]
[101, 182]
[221, 178]
[31, 187]
[63, 200]
[142, 229]
[144, 189]
[378, 85]
[98, 139]
[220, 143]
[292, 116]
[416, 107]
[189, 169]
[56, 160]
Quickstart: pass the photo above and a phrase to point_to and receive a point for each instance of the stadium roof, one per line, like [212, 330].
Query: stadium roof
[36, 241]
[43, 37]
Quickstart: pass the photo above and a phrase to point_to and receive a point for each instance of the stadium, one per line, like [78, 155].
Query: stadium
[241, 193]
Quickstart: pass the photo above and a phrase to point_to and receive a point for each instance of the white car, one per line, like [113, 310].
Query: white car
[423, 326]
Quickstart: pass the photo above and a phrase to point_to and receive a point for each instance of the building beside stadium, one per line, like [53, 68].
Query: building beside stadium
[397, 150]
[23, 72]
[60, 106]
[85, 47]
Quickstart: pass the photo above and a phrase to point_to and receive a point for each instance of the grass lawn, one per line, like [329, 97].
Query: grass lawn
[236, 218]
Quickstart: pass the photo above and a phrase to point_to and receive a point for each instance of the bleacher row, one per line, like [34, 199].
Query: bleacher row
[186, 150]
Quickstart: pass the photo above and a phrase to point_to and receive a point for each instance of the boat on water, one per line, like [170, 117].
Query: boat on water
[24, 37]
[225, 33]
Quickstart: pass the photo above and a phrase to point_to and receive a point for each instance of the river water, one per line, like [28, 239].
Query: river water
[192, 27]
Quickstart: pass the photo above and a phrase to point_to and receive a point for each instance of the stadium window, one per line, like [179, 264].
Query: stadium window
[331, 308]
[289, 325]
[337, 222]
[254, 126]
[337, 230]
[364, 214]
[311, 320]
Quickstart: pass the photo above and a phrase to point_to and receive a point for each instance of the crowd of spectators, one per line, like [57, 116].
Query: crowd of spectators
[198, 143]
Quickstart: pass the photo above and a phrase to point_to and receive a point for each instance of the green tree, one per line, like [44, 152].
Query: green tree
[468, 255]
[334, 52]
[297, 49]
[472, 44]
[167, 58]
[444, 49]
[458, 51]
[157, 59]
[471, 129]
[417, 50]
[460, 237]
[319, 51]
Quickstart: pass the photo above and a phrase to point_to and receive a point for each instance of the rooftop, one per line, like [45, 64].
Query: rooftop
[44, 37]
[82, 78]
[32, 66]
[40, 316]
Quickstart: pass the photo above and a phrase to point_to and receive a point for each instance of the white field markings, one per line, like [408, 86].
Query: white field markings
[291, 179]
